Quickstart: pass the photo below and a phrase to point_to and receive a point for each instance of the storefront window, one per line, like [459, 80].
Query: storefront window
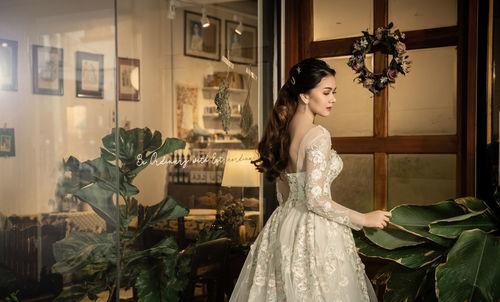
[119, 146]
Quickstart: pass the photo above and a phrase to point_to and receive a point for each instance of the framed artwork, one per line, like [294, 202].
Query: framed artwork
[89, 75]
[7, 142]
[128, 79]
[186, 109]
[47, 70]
[8, 65]
[201, 42]
[241, 48]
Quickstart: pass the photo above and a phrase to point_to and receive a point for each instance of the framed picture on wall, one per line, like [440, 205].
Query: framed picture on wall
[7, 142]
[241, 48]
[47, 70]
[201, 42]
[8, 65]
[128, 79]
[89, 75]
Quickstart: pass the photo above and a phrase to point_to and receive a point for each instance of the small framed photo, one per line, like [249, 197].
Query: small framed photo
[241, 48]
[201, 42]
[8, 65]
[47, 70]
[7, 142]
[128, 79]
[89, 75]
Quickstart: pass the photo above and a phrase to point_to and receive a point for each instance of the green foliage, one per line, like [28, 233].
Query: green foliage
[158, 273]
[223, 107]
[436, 249]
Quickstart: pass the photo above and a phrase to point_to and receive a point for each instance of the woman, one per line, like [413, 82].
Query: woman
[306, 251]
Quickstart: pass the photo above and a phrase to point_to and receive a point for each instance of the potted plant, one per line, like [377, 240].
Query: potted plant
[156, 273]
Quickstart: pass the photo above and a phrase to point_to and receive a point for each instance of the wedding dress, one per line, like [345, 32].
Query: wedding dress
[306, 251]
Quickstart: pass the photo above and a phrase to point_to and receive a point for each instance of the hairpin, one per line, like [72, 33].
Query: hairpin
[292, 79]
[298, 69]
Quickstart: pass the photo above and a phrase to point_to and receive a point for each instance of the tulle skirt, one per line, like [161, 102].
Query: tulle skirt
[300, 256]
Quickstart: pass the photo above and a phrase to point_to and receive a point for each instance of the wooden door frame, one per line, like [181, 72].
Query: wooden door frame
[299, 45]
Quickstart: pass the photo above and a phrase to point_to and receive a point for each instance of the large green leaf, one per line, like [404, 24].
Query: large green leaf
[472, 266]
[453, 227]
[101, 200]
[472, 203]
[416, 219]
[80, 249]
[391, 238]
[149, 287]
[167, 209]
[411, 257]
[406, 284]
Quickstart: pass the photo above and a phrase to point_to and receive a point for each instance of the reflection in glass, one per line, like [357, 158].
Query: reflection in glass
[341, 18]
[421, 178]
[424, 102]
[412, 15]
[352, 113]
[353, 187]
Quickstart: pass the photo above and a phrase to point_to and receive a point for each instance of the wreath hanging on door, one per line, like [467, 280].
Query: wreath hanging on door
[392, 45]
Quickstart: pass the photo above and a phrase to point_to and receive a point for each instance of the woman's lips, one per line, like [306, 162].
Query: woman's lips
[328, 108]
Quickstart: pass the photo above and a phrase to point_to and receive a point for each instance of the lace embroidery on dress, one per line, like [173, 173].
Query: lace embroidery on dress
[306, 251]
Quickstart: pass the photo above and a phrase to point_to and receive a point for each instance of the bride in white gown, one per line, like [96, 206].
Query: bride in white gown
[306, 251]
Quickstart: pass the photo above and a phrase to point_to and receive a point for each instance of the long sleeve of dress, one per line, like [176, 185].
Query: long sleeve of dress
[317, 167]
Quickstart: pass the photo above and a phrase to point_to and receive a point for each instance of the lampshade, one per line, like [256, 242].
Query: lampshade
[239, 171]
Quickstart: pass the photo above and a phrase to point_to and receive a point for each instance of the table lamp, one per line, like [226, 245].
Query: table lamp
[239, 171]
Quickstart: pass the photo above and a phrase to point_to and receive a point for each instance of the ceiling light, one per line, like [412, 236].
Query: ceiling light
[204, 20]
[239, 29]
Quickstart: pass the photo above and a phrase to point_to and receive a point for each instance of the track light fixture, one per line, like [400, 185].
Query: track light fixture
[204, 19]
[239, 29]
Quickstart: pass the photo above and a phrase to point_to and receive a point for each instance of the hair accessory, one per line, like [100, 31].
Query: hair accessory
[298, 69]
[292, 79]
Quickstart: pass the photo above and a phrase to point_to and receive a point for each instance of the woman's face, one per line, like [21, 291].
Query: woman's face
[321, 97]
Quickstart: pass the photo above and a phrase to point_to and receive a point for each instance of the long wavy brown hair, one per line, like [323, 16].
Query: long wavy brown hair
[274, 146]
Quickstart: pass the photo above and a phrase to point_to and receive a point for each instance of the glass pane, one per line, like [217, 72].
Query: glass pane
[341, 18]
[352, 113]
[413, 15]
[180, 72]
[424, 102]
[353, 187]
[421, 178]
[57, 102]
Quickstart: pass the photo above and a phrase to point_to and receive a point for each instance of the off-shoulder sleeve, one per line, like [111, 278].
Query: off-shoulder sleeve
[317, 157]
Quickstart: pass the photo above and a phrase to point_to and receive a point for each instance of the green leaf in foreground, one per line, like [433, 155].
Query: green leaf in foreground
[472, 266]
[411, 257]
[453, 227]
[416, 219]
[391, 238]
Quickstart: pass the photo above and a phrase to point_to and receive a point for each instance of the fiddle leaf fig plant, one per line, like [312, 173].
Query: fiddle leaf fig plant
[158, 272]
[447, 251]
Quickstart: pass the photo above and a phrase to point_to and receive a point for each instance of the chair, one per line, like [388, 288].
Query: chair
[208, 265]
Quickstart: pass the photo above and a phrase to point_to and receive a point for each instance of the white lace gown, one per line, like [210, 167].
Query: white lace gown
[306, 250]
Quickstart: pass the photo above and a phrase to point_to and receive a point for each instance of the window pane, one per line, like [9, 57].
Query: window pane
[421, 178]
[353, 187]
[341, 18]
[59, 102]
[413, 15]
[181, 71]
[424, 101]
[352, 113]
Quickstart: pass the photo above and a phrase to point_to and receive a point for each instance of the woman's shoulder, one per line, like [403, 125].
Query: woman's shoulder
[317, 134]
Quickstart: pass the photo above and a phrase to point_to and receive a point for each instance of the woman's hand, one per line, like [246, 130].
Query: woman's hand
[377, 219]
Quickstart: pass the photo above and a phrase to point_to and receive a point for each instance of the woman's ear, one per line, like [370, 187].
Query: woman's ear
[304, 97]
